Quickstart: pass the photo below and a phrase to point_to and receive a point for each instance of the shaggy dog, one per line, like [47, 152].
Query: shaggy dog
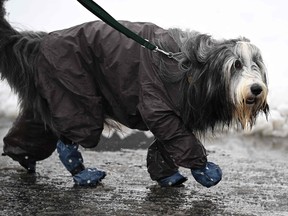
[70, 81]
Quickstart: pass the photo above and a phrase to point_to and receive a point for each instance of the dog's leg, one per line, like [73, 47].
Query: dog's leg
[29, 140]
[162, 168]
[73, 162]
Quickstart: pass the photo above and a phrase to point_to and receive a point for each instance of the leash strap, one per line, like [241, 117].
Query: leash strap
[107, 18]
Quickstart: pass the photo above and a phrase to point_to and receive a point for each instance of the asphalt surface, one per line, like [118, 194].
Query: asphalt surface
[254, 182]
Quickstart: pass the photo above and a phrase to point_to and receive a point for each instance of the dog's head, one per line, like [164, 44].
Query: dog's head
[223, 81]
[247, 82]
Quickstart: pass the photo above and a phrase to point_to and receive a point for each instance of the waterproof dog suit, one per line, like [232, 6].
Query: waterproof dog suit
[90, 72]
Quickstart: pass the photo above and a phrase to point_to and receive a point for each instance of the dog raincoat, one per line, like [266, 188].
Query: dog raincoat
[91, 71]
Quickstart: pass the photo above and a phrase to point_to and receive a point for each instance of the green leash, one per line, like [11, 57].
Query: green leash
[107, 18]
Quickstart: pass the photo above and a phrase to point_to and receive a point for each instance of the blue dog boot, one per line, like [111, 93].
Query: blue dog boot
[73, 162]
[30, 166]
[172, 181]
[89, 177]
[26, 162]
[209, 175]
[70, 157]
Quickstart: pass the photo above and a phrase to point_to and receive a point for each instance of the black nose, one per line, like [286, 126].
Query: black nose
[256, 89]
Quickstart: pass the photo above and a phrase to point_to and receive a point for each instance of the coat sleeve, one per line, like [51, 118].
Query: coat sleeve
[182, 145]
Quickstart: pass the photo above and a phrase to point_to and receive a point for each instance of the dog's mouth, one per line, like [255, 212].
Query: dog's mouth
[250, 100]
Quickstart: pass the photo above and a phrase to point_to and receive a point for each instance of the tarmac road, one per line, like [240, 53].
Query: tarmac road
[254, 182]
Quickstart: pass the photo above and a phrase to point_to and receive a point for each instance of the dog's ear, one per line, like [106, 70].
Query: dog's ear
[199, 47]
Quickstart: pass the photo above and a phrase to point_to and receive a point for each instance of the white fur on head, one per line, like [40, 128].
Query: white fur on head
[248, 87]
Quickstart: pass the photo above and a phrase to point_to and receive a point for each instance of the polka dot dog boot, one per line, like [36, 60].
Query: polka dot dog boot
[73, 162]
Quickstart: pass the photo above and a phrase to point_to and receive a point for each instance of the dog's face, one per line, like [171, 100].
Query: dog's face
[248, 83]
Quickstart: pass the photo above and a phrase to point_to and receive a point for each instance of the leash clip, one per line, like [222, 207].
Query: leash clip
[168, 54]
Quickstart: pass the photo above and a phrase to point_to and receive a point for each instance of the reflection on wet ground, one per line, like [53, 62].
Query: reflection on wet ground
[254, 183]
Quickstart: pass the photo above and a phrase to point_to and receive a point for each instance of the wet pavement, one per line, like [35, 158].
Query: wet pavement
[255, 175]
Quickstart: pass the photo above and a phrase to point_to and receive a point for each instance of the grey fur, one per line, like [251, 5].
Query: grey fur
[205, 81]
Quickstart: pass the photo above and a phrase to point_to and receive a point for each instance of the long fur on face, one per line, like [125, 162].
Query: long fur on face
[222, 81]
